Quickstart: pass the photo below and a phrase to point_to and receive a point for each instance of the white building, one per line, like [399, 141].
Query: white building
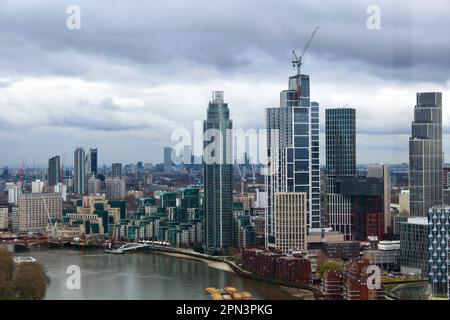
[37, 186]
[291, 221]
[62, 190]
[13, 192]
[404, 201]
[35, 209]
[115, 188]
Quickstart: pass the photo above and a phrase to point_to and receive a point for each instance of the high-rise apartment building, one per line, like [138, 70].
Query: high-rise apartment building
[37, 186]
[218, 166]
[425, 154]
[383, 172]
[54, 171]
[79, 177]
[115, 188]
[439, 250]
[340, 144]
[35, 210]
[291, 221]
[293, 152]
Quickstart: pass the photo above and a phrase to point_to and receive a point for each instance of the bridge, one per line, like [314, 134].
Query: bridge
[138, 245]
[129, 247]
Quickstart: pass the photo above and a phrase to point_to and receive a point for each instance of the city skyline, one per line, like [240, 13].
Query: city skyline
[90, 104]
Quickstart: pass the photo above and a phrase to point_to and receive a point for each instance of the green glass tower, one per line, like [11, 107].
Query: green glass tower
[218, 165]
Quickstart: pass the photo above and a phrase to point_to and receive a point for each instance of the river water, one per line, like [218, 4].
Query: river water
[142, 275]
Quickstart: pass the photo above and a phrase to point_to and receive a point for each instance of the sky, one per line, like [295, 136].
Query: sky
[136, 71]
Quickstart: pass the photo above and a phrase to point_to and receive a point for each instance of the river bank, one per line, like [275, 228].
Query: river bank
[296, 290]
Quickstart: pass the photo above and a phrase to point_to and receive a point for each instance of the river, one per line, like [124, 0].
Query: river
[142, 275]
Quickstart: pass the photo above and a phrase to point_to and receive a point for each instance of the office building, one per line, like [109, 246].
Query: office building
[438, 250]
[79, 179]
[35, 210]
[54, 171]
[366, 198]
[91, 163]
[168, 162]
[383, 172]
[116, 170]
[414, 246]
[218, 167]
[340, 144]
[293, 152]
[425, 154]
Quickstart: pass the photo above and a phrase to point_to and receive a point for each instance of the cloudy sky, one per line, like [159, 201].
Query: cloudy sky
[138, 70]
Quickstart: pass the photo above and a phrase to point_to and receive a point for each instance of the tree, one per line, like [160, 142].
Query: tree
[31, 281]
[28, 281]
[332, 265]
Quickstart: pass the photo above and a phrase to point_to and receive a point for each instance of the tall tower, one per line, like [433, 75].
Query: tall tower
[218, 166]
[383, 172]
[425, 154]
[54, 171]
[79, 172]
[92, 162]
[340, 144]
[293, 152]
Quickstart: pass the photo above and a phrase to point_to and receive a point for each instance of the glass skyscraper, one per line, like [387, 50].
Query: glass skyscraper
[425, 154]
[79, 179]
[218, 166]
[340, 144]
[293, 152]
[54, 171]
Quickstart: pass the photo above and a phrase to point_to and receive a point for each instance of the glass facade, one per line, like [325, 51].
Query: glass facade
[293, 151]
[218, 193]
[425, 154]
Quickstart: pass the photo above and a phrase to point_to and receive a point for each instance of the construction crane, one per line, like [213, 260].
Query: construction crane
[54, 227]
[297, 60]
[243, 180]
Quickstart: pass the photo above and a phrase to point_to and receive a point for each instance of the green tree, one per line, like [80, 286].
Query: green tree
[332, 265]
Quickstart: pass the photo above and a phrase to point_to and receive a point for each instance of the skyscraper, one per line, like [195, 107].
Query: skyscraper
[168, 163]
[383, 172]
[116, 170]
[293, 152]
[340, 144]
[79, 178]
[54, 171]
[218, 167]
[425, 154]
[91, 162]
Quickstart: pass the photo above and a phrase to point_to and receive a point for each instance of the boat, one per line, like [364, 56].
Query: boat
[228, 293]
[118, 251]
[212, 290]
